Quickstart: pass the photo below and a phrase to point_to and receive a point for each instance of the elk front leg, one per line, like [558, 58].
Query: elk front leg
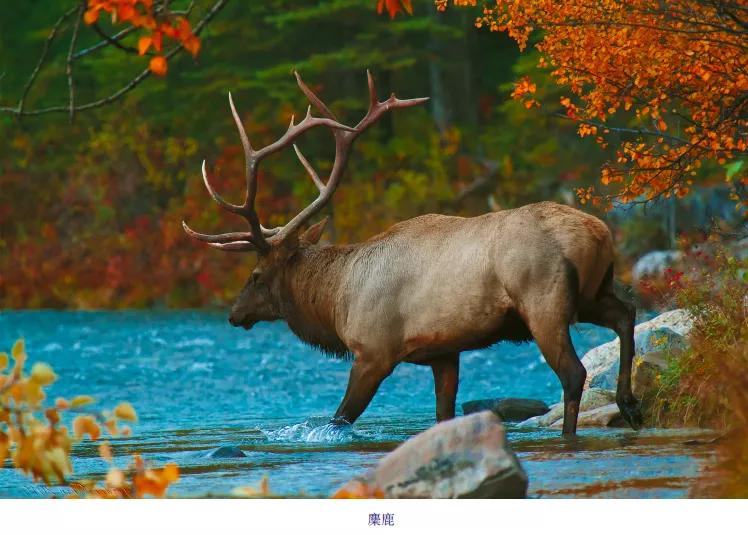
[363, 382]
[555, 344]
[446, 371]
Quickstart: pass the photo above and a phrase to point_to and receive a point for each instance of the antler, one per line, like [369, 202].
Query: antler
[260, 238]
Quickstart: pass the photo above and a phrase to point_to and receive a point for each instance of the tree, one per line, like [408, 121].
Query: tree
[665, 80]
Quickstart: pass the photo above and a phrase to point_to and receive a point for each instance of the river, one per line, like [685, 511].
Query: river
[197, 383]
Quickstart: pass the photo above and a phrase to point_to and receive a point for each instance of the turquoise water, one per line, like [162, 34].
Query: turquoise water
[197, 383]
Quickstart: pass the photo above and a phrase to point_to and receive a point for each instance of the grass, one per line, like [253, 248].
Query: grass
[706, 385]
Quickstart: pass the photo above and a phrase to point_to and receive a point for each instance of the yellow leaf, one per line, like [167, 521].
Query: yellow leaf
[43, 374]
[79, 401]
[115, 478]
[3, 360]
[19, 350]
[33, 393]
[170, 473]
[125, 411]
[62, 403]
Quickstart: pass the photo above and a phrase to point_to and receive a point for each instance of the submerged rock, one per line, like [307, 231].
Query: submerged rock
[592, 398]
[508, 409]
[465, 457]
[226, 452]
[666, 332]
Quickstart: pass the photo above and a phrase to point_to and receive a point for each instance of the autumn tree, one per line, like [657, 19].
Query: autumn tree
[666, 81]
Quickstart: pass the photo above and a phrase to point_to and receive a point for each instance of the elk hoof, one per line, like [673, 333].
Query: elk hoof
[631, 412]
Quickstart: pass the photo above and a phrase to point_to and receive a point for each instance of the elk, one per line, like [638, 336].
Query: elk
[429, 287]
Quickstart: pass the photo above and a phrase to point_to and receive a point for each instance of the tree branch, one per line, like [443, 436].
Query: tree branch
[42, 58]
[71, 108]
[69, 67]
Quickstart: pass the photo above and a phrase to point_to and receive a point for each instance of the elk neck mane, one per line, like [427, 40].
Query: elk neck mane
[312, 284]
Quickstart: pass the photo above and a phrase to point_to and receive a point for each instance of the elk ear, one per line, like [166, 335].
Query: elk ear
[313, 233]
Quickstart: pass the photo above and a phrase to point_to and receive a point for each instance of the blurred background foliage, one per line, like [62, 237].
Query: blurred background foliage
[90, 211]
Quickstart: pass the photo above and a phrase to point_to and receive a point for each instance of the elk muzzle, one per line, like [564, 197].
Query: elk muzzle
[239, 318]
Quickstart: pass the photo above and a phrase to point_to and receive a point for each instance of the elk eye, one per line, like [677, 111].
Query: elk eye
[255, 277]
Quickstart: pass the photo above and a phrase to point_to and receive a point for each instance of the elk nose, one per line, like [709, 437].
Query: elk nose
[233, 320]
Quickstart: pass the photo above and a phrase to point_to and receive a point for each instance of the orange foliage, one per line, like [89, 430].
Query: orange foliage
[41, 447]
[141, 14]
[394, 7]
[670, 78]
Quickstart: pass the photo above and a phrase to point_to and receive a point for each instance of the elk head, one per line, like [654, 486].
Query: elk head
[261, 298]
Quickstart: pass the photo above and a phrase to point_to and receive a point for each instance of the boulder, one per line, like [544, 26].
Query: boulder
[592, 398]
[666, 332]
[605, 416]
[465, 457]
[507, 409]
[226, 452]
[646, 371]
[654, 263]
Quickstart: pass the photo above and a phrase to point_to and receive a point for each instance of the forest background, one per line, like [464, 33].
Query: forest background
[91, 204]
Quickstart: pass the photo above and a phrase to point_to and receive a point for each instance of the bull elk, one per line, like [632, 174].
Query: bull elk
[429, 287]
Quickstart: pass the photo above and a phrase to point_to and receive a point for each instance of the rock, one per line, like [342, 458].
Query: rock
[654, 263]
[646, 371]
[605, 416]
[665, 332]
[226, 452]
[465, 457]
[507, 409]
[592, 398]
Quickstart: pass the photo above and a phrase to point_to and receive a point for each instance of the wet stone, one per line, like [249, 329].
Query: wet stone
[226, 452]
[465, 457]
[508, 409]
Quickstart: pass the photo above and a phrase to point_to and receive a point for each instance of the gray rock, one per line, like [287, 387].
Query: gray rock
[654, 263]
[665, 332]
[465, 457]
[605, 416]
[592, 398]
[645, 377]
[226, 452]
[508, 409]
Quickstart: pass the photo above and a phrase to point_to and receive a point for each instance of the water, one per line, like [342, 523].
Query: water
[197, 383]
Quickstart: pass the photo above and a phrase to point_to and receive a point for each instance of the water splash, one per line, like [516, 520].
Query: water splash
[313, 430]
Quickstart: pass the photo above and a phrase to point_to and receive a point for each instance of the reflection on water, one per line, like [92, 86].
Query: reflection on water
[199, 384]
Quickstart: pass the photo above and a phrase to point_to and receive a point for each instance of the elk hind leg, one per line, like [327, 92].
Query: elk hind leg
[607, 310]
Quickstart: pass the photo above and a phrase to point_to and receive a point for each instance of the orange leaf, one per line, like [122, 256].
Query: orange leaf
[144, 43]
[158, 65]
[91, 16]
[86, 425]
[192, 45]
[157, 39]
[105, 451]
[125, 12]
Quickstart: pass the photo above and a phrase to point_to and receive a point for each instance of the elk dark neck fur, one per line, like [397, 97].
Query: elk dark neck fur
[312, 284]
